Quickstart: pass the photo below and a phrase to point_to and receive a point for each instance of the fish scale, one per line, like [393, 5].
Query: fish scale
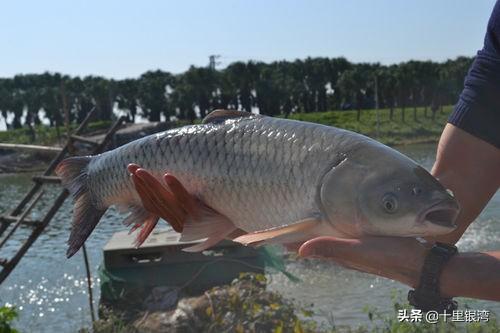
[250, 170]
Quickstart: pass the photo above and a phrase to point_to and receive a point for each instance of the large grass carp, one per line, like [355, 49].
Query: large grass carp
[271, 179]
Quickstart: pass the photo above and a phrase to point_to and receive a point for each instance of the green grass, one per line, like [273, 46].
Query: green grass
[393, 132]
[45, 135]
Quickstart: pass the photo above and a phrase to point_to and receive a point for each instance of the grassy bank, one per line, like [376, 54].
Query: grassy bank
[391, 132]
[45, 135]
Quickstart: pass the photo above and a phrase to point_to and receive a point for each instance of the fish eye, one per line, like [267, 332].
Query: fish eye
[390, 203]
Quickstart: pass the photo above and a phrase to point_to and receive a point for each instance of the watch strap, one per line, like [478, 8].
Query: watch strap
[427, 295]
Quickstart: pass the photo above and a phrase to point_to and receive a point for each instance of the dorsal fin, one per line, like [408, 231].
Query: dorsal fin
[218, 116]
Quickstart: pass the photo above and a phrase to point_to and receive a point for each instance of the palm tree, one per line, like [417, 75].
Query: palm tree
[203, 84]
[353, 83]
[336, 67]
[268, 94]
[387, 83]
[313, 84]
[102, 93]
[127, 97]
[152, 93]
[182, 100]
[403, 79]
[239, 79]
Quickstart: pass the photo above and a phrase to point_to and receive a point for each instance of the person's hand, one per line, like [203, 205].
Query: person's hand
[396, 258]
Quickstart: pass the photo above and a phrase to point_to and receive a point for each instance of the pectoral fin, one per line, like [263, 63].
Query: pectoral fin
[184, 211]
[147, 227]
[291, 233]
[140, 218]
[209, 224]
[156, 199]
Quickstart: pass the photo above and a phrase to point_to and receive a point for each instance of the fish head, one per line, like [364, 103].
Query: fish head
[379, 191]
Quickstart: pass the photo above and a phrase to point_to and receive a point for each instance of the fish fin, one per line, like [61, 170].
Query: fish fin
[287, 234]
[73, 173]
[211, 241]
[85, 219]
[136, 217]
[124, 208]
[230, 232]
[236, 233]
[208, 223]
[227, 231]
[158, 200]
[74, 177]
[218, 116]
[140, 218]
[147, 227]
[185, 212]
[135, 227]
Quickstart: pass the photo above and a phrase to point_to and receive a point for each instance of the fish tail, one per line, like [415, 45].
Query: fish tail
[74, 177]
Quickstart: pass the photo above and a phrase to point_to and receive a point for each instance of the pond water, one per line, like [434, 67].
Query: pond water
[50, 291]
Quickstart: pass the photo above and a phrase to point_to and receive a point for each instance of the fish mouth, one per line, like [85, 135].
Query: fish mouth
[442, 214]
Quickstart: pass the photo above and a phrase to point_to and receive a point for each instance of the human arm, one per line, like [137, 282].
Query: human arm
[475, 275]
[468, 163]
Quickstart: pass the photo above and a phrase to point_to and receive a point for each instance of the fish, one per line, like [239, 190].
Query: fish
[261, 180]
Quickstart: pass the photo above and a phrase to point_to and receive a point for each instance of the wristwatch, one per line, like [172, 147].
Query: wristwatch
[426, 296]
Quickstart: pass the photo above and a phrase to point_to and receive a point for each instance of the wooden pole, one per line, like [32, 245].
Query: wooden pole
[42, 149]
[89, 282]
[12, 263]
[20, 219]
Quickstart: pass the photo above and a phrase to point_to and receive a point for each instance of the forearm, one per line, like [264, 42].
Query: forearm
[470, 167]
[475, 275]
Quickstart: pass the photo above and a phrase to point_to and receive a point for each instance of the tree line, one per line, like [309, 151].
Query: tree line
[280, 87]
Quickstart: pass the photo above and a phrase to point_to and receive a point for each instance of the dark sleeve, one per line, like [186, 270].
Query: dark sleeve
[478, 109]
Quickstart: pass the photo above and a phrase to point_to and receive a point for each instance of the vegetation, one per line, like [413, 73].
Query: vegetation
[425, 127]
[380, 323]
[246, 306]
[281, 87]
[7, 316]
[44, 135]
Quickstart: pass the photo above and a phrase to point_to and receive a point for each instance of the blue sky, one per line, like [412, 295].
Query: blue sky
[126, 38]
